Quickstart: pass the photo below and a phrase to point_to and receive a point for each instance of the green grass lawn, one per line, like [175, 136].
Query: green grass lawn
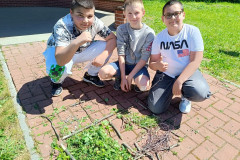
[219, 24]
[12, 144]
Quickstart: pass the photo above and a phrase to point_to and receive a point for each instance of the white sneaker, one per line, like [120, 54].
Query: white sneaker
[185, 105]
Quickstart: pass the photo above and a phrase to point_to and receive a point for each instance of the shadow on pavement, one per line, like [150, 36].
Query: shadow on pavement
[35, 96]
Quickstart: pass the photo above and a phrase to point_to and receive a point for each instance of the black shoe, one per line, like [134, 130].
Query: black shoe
[117, 84]
[95, 80]
[56, 89]
[136, 89]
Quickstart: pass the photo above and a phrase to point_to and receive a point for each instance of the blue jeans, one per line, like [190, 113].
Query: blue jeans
[160, 95]
[128, 70]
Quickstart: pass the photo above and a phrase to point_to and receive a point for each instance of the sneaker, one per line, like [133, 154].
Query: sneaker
[117, 84]
[136, 89]
[95, 80]
[185, 105]
[56, 89]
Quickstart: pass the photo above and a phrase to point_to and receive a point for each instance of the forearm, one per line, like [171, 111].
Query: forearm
[195, 61]
[121, 60]
[154, 66]
[188, 72]
[139, 65]
[64, 54]
[111, 44]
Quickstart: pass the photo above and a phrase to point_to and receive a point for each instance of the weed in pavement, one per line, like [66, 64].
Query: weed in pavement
[94, 143]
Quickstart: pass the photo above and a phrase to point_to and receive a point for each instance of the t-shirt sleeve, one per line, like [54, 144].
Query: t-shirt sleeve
[102, 30]
[156, 45]
[61, 35]
[121, 44]
[147, 47]
[197, 41]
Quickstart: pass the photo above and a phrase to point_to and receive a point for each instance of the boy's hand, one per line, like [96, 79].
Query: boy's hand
[124, 85]
[162, 66]
[177, 87]
[129, 80]
[84, 37]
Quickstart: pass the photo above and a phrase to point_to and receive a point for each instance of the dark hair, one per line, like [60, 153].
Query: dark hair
[130, 2]
[87, 4]
[170, 3]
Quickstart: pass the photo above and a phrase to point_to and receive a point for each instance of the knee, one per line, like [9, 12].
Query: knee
[156, 108]
[104, 73]
[197, 93]
[143, 84]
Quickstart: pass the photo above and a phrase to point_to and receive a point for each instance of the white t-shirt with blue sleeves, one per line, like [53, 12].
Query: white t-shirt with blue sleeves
[175, 50]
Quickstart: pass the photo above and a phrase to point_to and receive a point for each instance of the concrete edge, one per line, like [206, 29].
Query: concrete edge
[24, 39]
[21, 117]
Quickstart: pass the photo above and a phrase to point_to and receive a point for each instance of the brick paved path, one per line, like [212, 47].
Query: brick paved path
[211, 130]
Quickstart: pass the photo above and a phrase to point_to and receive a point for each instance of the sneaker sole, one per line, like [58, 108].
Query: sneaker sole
[56, 95]
[85, 80]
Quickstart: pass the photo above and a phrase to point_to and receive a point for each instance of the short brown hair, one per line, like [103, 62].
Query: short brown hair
[131, 2]
[87, 4]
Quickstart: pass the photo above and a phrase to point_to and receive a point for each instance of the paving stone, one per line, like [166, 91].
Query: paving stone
[218, 114]
[108, 99]
[128, 136]
[220, 105]
[210, 136]
[214, 124]
[205, 150]
[229, 138]
[192, 133]
[196, 121]
[235, 107]
[93, 95]
[236, 92]
[231, 127]
[227, 152]
[185, 147]
[190, 157]
[206, 115]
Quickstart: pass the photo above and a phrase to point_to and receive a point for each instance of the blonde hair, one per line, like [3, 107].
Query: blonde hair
[131, 2]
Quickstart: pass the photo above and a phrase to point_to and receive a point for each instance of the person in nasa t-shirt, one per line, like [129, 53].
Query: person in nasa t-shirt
[176, 55]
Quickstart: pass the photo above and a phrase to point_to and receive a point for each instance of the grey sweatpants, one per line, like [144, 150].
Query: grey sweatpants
[160, 95]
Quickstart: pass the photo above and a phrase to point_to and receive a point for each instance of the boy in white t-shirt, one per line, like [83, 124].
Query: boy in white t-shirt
[177, 52]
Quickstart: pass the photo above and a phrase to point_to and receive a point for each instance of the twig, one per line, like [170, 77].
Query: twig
[80, 130]
[115, 129]
[63, 147]
[175, 145]
[68, 153]
[175, 134]
[128, 147]
[138, 148]
[149, 155]
[139, 156]
[158, 158]
[142, 105]
[91, 119]
[52, 127]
